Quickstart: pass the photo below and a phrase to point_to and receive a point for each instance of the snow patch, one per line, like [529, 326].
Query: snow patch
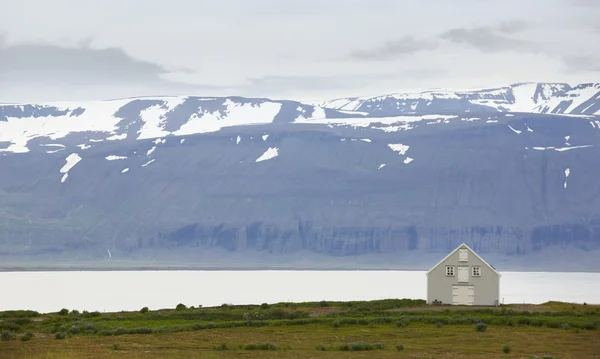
[125, 170]
[97, 117]
[408, 160]
[72, 160]
[515, 131]
[56, 150]
[561, 149]
[264, 137]
[84, 146]
[117, 137]
[398, 147]
[236, 115]
[154, 118]
[272, 152]
[115, 158]
[237, 141]
[381, 166]
[149, 162]
[567, 174]
[366, 140]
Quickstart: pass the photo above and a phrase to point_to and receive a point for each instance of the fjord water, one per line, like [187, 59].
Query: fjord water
[132, 290]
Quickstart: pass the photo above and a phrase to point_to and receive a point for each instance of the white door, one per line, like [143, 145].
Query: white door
[463, 274]
[463, 295]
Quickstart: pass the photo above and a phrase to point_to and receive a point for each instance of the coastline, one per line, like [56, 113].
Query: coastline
[82, 268]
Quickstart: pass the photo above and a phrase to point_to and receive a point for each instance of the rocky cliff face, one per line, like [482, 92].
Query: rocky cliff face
[509, 185]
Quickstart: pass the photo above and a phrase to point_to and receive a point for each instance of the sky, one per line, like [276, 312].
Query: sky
[308, 50]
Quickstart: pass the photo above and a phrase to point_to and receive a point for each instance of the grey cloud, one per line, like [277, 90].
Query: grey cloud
[45, 62]
[65, 73]
[391, 49]
[578, 63]
[490, 39]
[511, 26]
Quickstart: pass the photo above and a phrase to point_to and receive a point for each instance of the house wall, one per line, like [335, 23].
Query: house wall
[439, 286]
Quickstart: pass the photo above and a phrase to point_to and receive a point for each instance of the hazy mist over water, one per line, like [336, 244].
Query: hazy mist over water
[132, 290]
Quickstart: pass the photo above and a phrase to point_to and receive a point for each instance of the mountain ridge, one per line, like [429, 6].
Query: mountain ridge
[500, 99]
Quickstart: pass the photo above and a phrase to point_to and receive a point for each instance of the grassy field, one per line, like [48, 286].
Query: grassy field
[377, 329]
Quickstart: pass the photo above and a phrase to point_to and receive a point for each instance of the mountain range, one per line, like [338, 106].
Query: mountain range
[392, 181]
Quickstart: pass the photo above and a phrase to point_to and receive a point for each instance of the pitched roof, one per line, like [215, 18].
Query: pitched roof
[464, 245]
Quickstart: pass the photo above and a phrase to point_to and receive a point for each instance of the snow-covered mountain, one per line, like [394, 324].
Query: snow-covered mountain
[249, 182]
[523, 97]
[145, 118]
[157, 117]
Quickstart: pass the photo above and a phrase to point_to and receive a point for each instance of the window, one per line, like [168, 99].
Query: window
[476, 271]
[463, 255]
[450, 271]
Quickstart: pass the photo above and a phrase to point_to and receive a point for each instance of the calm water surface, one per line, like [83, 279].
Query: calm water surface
[132, 290]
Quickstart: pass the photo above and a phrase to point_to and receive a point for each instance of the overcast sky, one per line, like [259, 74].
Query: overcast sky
[298, 49]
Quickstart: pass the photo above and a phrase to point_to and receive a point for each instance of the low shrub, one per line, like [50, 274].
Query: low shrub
[399, 347]
[481, 327]
[89, 328]
[22, 321]
[143, 330]
[267, 346]
[180, 307]
[10, 326]
[115, 346]
[63, 311]
[353, 347]
[27, 337]
[120, 331]
[5, 335]
[222, 346]
[144, 310]
[19, 314]
[506, 349]
[60, 336]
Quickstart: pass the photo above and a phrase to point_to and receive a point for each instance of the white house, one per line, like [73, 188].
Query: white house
[463, 278]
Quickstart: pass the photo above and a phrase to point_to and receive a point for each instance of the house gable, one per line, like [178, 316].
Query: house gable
[464, 246]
